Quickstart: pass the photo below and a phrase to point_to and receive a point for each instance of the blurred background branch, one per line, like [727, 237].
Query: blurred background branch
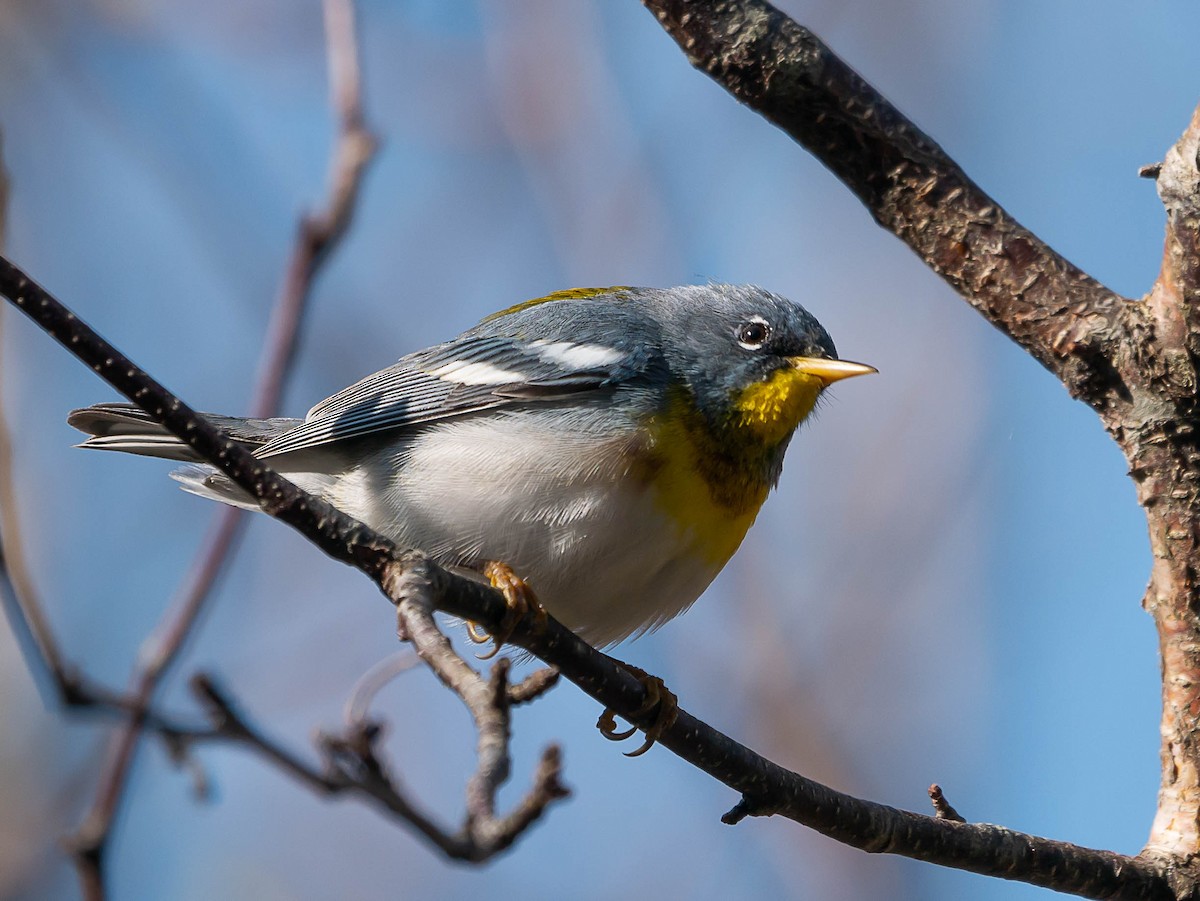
[317, 234]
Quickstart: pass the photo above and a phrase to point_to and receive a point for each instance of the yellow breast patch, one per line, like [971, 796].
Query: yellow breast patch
[712, 503]
[712, 481]
[683, 492]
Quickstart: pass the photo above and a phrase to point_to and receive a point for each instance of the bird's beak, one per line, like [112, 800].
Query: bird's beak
[830, 371]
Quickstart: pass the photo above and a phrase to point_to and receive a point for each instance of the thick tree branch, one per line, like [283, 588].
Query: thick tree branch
[1063, 317]
[1161, 439]
[766, 788]
[1175, 298]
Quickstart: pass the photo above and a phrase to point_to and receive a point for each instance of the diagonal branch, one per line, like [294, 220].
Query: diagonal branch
[766, 787]
[1058, 313]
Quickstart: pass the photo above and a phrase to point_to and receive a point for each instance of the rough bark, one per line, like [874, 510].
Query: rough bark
[1157, 430]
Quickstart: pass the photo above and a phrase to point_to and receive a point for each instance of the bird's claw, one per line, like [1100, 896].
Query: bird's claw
[520, 600]
[657, 696]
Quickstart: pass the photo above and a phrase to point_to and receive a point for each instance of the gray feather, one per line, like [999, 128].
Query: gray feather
[131, 430]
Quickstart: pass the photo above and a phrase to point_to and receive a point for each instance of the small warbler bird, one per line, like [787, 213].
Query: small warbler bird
[609, 445]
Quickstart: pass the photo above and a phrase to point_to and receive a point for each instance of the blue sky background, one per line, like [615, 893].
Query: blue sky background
[945, 587]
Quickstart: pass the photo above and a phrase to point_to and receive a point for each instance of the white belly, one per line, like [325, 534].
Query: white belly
[569, 515]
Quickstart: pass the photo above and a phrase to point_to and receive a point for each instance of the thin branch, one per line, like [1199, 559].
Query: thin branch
[35, 637]
[533, 686]
[353, 765]
[26, 612]
[1061, 315]
[765, 786]
[768, 789]
[319, 232]
[373, 681]
[484, 833]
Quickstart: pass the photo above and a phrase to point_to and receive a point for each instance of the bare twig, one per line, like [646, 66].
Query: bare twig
[350, 762]
[484, 833]
[353, 765]
[320, 231]
[372, 682]
[942, 808]
[765, 786]
[533, 686]
[25, 609]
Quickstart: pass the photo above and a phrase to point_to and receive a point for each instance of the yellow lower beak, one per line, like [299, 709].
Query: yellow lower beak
[830, 371]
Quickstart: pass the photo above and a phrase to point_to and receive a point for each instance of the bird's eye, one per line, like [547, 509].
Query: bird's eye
[754, 334]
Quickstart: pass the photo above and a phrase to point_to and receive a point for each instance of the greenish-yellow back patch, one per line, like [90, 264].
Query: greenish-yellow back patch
[567, 294]
[772, 409]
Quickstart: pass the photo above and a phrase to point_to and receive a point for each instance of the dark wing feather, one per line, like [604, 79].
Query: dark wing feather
[473, 373]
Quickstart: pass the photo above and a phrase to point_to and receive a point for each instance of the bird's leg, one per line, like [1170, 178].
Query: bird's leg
[657, 696]
[519, 598]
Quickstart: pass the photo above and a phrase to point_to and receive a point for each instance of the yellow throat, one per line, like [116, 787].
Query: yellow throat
[774, 408]
[711, 483]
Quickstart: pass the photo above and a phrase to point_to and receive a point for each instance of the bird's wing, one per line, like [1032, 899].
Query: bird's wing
[474, 372]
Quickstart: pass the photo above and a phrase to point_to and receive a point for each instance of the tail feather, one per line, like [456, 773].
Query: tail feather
[126, 428]
[204, 481]
[131, 430]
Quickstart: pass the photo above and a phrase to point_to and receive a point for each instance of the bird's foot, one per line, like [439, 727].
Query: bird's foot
[657, 696]
[520, 600]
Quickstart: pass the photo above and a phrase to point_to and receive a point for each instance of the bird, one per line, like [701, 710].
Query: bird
[608, 447]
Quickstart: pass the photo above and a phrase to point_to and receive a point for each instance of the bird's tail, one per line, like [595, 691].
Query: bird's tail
[129, 429]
